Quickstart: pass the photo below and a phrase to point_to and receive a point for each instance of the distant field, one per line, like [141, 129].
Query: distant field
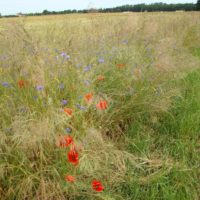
[113, 98]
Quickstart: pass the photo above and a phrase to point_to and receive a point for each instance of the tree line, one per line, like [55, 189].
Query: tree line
[155, 7]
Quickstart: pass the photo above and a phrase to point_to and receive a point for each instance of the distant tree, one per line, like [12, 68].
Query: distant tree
[46, 12]
[198, 5]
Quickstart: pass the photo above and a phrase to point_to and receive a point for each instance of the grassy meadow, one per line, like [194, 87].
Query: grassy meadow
[124, 86]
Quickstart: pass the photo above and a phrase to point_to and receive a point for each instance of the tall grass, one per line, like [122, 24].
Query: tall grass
[145, 145]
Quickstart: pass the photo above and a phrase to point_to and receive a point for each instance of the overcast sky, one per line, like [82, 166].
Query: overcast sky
[26, 6]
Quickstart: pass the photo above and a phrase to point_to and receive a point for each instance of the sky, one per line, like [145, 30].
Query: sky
[27, 6]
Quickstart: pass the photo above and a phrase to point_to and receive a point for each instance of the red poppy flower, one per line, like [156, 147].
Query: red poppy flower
[100, 78]
[102, 105]
[21, 83]
[69, 178]
[65, 141]
[89, 97]
[68, 111]
[120, 65]
[97, 186]
[73, 156]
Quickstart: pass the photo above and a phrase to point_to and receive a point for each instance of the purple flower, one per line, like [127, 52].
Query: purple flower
[3, 57]
[6, 84]
[65, 56]
[39, 87]
[88, 68]
[125, 41]
[68, 130]
[81, 107]
[87, 82]
[61, 86]
[101, 60]
[64, 102]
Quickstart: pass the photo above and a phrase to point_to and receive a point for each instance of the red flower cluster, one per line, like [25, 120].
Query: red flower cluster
[100, 78]
[97, 186]
[73, 156]
[65, 141]
[68, 111]
[89, 97]
[102, 105]
[69, 178]
[21, 84]
[120, 66]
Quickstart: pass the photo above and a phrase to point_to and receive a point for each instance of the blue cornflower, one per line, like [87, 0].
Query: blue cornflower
[68, 130]
[65, 56]
[35, 97]
[81, 107]
[101, 60]
[6, 84]
[64, 102]
[125, 41]
[61, 86]
[87, 82]
[87, 68]
[39, 87]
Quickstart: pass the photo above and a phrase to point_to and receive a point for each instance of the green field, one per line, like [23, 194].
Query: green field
[124, 86]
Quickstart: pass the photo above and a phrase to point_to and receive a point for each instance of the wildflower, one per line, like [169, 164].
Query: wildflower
[101, 60]
[73, 156]
[65, 141]
[39, 87]
[21, 83]
[65, 56]
[100, 78]
[68, 130]
[81, 107]
[35, 97]
[88, 97]
[61, 86]
[69, 178]
[125, 41]
[87, 68]
[68, 111]
[102, 105]
[5, 84]
[120, 66]
[97, 186]
[64, 102]
[87, 82]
